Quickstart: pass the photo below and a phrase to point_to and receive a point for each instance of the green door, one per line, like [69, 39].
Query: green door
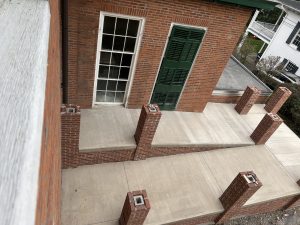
[182, 47]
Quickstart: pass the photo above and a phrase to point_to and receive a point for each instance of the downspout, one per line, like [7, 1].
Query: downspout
[64, 19]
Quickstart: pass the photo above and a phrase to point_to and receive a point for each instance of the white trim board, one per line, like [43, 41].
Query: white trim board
[133, 63]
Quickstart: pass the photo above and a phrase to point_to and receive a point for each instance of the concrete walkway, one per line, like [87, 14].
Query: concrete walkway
[219, 124]
[109, 128]
[179, 187]
[113, 127]
[285, 145]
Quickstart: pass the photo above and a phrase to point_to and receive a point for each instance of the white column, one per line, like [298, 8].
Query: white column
[278, 19]
[242, 41]
[262, 47]
[247, 32]
[254, 17]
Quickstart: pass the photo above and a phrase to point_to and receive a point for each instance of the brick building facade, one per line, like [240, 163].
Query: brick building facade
[49, 190]
[157, 20]
[126, 53]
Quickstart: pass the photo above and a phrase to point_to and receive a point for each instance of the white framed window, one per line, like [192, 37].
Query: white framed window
[296, 39]
[118, 42]
[290, 67]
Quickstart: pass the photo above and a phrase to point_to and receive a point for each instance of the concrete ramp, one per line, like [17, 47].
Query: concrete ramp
[113, 128]
[179, 187]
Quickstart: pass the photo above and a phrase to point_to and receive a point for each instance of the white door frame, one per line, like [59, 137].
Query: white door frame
[133, 63]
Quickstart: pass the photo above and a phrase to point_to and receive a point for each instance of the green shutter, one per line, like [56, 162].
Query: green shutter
[180, 53]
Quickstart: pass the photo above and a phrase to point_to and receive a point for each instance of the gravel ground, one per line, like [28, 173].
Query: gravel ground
[288, 217]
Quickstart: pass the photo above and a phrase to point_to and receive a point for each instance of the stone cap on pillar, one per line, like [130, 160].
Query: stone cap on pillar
[254, 89]
[251, 179]
[152, 108]
[135, 209]
[286, 90]
[242, 183]
[69, 109]
[139, 200]
[275, 117]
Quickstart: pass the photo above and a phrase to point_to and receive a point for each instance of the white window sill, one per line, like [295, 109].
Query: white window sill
[293, 46]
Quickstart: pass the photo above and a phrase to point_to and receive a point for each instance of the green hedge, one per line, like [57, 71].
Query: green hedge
[290, 111]
[271, 83]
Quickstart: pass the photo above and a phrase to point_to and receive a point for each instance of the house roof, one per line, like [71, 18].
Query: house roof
[236, 78]
[260, 4]
[295, 5]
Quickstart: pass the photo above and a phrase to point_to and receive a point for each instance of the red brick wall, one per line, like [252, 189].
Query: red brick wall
[296, 201]
[278, 98]
[220, 40]
[173, 150]
[234, 99]
[210, 218]
[91, 158]
[71, 157]
[132, 214]
[236, 195]
[48, 205]
[247, 100]
[265, 129]
[70, 127]
[265, 207]
[145, 131]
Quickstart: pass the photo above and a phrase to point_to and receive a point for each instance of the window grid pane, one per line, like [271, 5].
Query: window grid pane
[121, 26]
[133, 28]
[290, 67]
[116, 51]
[114, 65]
[116, 55]
[297, 41]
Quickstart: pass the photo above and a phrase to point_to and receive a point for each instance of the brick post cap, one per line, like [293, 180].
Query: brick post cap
[139, 200]
[274, 117]
[152, 108]
[251, 178]
[70, 109]
[255, 89]
[285, 89]
[63, 108]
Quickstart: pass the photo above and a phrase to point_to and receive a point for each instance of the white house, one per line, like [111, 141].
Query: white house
[283, 37]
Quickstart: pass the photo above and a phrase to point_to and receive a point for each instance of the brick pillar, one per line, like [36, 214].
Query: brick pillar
[294, 202]
[136, 208]
[70, 128]
[247, 100]
[266, 128]
[146, 128]
[237, 194]
[277, 99]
